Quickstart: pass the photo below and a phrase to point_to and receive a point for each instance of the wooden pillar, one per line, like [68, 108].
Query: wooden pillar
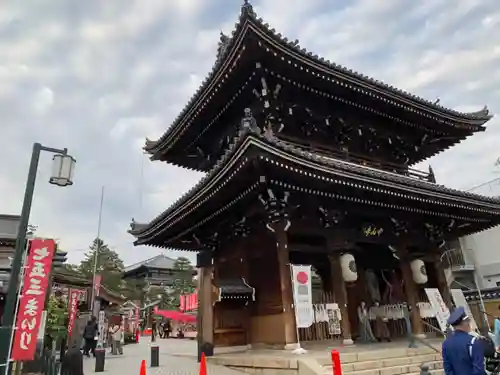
[442, 283]
[290, 324]
[206, 303]
[338, 285]
[411, 292]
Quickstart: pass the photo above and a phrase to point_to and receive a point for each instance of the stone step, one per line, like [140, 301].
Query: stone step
[407, 368]
[380, 354]
[390, 362]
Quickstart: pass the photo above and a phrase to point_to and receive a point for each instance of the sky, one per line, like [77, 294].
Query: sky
[98, 77]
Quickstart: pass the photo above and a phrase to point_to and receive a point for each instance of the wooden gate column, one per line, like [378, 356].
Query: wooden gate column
[205, 304]
[290, 324]
[411, 292]
[340, 292]
[442, 283]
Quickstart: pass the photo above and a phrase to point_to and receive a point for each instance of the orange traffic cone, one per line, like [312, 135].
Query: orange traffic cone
[143, 368]
[203, 365]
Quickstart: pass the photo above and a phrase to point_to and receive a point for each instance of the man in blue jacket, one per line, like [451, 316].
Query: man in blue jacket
[462, 353]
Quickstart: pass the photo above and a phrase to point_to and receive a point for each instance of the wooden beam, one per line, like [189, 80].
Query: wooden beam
[338, 285]
[290, 323]
[410, 289]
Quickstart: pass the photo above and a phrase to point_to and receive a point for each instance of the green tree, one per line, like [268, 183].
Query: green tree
[183, 280]
[57, 311]
[109, 265]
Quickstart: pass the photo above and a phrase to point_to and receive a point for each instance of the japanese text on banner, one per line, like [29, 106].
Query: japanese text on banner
[35, 282]
[73, 297]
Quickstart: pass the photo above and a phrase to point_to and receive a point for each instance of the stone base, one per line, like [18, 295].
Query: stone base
[347, 342]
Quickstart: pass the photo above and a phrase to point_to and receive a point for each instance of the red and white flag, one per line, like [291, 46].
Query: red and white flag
[35, 283]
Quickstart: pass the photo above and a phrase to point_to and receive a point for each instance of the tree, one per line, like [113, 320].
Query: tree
[183, 280]
[57, 311]
[109, 265]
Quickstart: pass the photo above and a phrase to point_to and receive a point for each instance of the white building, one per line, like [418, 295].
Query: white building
[480, 252]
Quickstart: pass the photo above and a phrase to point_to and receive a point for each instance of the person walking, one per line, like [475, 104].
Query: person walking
[462, 353]
[117, 340]
[90, 335]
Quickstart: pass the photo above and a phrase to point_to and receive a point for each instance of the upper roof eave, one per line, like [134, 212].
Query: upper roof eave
[249, 17]
[302, 157]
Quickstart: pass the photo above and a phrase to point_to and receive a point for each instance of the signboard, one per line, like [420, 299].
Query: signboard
[35, 283]
[97, 285]
[302, 295]
[102, 329]
[334, 318]
[438, 306]
[460, 301]
[74, 294]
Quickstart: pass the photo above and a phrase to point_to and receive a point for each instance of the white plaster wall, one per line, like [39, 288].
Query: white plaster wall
[491, 281]
[483, 250]
[485, 246]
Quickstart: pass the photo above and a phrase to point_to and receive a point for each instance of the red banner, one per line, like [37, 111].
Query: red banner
[189, 302]
[35, 282]
[74, 295]
[137, 313]
[182, 303]
[97, 285]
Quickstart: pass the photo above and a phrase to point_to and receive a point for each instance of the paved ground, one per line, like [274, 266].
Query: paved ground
[177, 357]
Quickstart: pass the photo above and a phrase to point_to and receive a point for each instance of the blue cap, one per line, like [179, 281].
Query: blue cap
[457, 316]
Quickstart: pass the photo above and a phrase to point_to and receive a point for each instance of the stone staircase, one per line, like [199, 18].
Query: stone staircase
[390, 361]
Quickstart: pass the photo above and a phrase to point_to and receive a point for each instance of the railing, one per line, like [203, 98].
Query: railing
[361, 160]
[45, 363]
[455, 259]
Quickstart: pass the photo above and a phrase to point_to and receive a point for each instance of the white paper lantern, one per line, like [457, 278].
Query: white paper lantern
[348, 264]
[419, 272]
[63, 167]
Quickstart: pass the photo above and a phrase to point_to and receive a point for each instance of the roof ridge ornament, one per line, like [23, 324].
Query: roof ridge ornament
[222, 46]
[247, 8]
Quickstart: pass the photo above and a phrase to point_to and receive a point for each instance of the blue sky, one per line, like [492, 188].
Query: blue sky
[100, 76]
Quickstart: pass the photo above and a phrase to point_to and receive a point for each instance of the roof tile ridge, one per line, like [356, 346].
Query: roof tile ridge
[246, 11]
[285, 146]
[482, 114]
[243, 133]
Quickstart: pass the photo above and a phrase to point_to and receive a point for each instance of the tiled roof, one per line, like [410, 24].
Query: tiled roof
[248, 22]
[247, 139]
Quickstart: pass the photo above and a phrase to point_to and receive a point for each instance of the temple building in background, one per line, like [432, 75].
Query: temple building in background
[310, 163]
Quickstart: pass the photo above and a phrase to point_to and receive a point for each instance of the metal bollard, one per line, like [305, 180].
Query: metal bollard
[424, 369]
[155, 356]
[100, 359]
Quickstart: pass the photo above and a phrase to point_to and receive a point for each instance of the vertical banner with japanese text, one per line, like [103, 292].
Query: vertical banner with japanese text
[182, 303]
[73, 297]
[137, 313]
[302, 295]
[438, 306]
[31, 303]
[97, 285]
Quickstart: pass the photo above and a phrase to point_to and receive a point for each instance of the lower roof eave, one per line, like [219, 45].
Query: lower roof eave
[302, 160]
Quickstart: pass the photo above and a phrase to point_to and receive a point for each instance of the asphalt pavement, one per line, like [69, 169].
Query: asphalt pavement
[177, 357]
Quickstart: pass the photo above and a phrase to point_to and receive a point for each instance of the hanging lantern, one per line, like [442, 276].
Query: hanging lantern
[348, 264]
[419, 272]
[63, 167]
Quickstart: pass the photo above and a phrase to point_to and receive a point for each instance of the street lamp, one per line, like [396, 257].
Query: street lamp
[62, 175]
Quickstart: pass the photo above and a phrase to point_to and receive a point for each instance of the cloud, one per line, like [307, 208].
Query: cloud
[98, 77]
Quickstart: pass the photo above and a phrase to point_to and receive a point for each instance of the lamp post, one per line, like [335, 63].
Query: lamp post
[62, 175]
